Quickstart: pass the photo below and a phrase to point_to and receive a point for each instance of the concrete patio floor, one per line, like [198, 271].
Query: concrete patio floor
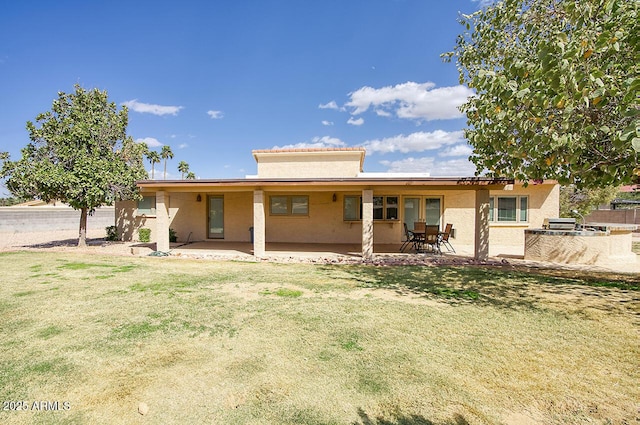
[274, 249]
[243, 251]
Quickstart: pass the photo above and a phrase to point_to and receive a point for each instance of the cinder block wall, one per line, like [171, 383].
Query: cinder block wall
[44, 219]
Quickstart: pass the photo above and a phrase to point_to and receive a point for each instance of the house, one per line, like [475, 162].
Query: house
[322, 196]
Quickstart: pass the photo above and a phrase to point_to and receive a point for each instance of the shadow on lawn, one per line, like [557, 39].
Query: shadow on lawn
[506, 287]
[71, 243]
[402, 419]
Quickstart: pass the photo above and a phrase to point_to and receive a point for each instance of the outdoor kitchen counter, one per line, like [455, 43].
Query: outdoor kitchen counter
[607, 244]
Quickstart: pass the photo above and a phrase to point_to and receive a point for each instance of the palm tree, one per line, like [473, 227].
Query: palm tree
[154, 158]
[191, 175]
[166, 153]
[183, 167]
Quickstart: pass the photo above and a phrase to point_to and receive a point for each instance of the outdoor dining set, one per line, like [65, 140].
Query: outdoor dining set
[427, 238]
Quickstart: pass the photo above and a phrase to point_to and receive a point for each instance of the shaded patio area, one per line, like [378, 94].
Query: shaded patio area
[244, 250]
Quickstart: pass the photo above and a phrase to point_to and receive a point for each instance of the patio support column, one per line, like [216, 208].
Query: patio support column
[481, 248]
[367, 224]
[162, 221]
[258, 224]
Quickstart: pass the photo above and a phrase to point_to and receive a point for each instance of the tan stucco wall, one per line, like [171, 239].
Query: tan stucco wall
[309, 164]
[188, 216]
[325, 223]
[543, 203]
[128, 221]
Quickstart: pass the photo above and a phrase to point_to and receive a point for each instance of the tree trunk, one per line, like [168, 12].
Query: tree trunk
[82, 236]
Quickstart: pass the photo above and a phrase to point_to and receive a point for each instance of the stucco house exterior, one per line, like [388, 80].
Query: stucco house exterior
[322, 196]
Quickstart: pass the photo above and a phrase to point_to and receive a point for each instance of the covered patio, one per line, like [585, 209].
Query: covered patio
[320, 202]
[244, 251]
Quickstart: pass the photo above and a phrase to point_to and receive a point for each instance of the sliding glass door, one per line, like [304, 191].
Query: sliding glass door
[427, 209]
[411, 211]
[433, 212]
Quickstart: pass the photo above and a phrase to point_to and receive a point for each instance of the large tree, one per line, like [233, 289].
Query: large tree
[79, 154]
[183, 167]
[166, 153]
[556, 85]
[154, 158]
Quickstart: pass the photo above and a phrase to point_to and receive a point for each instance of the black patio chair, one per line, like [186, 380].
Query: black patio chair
[444, 238]
[409, 239]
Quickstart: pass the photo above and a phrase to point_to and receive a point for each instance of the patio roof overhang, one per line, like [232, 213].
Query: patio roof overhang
[319, 184]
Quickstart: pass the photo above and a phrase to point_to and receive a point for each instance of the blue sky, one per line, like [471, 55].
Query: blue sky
[216, 79]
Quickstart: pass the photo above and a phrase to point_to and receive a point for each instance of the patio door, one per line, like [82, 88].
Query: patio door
[427, 209]
[433, 211]
[411, 211]
[216, 217]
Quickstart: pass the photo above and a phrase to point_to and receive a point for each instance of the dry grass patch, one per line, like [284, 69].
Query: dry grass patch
[253, 343]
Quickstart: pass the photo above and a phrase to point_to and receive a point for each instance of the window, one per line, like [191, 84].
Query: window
[147, 205]
[384, 208]
[289, 205]
[524, 208]
[509, 209]
[352, 207]
[391, 208]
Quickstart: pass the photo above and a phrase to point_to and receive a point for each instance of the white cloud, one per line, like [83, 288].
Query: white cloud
[159, 173]
[414, 142]
[330, 105]
[316, 142]
[457, 150]
[183, 145]
[150, 142]
[215, 115]
[354, 121]
[410, 100]
[452, 168]
[484, 3]
[328, 123]
[147, 108]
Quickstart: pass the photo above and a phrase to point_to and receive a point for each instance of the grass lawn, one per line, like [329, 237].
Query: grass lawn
[254, 343]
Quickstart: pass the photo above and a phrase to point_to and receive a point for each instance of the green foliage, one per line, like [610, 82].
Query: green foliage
[112, 233]
[7, 202]
[173, 236]
[183, 167]
[557, 86]
[144, 234]
[79, 154]
[631, 196]
[584, 200]
[165, 154]
[154, 158]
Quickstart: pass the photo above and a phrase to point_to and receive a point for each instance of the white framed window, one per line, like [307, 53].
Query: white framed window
[147, 205]
[384, 207]
[509, 209]
[289, 205]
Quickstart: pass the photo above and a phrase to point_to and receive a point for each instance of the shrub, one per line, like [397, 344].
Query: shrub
[144, 234]
[173, 236]
[112, 233]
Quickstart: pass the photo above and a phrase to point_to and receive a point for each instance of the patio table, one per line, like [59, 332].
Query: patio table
[431, 239]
